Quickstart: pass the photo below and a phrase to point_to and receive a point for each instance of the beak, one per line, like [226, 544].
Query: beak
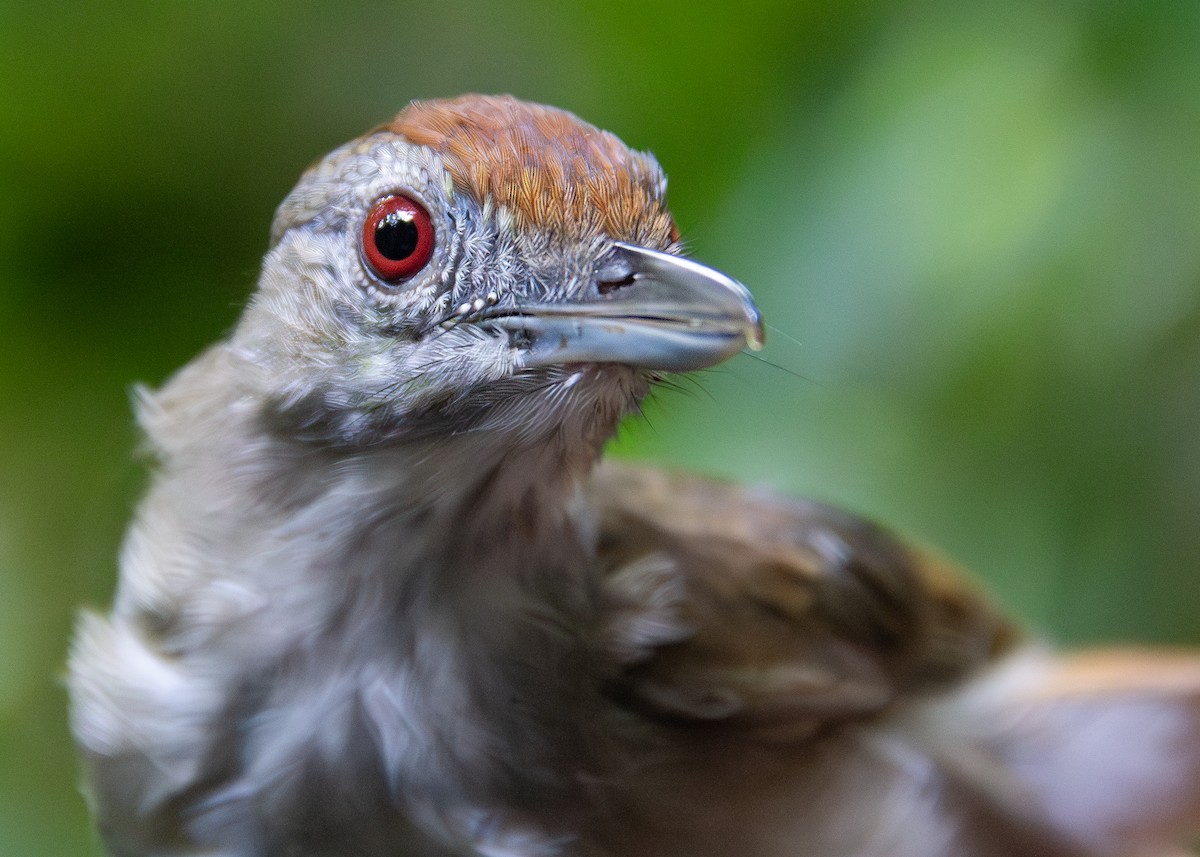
[648, 309]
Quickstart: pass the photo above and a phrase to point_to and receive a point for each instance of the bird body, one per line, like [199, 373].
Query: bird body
[382, 597]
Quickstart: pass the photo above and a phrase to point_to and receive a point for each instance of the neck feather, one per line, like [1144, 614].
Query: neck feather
[442, 585]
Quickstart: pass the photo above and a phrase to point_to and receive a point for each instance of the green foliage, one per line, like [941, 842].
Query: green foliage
[973, 228]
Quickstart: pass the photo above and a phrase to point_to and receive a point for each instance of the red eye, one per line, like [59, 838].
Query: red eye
[397, 238]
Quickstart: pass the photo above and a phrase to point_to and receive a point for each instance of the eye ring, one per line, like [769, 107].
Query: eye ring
[397, 238]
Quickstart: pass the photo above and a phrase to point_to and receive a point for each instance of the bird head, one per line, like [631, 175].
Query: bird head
[480, 265]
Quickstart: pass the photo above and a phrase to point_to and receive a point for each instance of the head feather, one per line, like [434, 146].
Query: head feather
[552, 170]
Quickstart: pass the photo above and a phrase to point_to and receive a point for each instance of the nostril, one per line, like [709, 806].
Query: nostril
[607, 286]
[615, 272]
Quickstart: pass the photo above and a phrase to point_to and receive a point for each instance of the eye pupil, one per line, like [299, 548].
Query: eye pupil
[397, 236]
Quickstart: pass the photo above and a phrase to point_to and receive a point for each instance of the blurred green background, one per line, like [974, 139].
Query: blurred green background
[973, 228]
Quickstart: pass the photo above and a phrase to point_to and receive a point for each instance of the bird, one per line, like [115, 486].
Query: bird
[384, 596]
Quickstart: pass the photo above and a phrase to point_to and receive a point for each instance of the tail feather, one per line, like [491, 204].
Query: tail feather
[1109, 743]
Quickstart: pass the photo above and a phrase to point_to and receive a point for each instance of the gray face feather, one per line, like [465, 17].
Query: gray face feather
[349, 358]
[510, 318]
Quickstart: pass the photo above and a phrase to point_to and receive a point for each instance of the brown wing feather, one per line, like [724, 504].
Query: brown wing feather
[739, 606]
[747, 622]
